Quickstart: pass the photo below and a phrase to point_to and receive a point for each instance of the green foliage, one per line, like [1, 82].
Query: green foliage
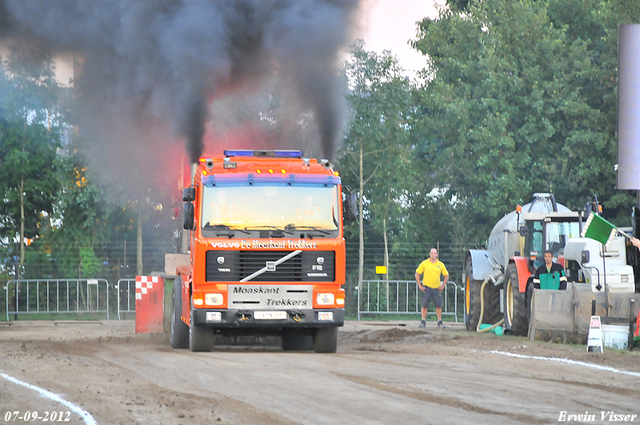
[27, 163]
[28, 144]
[520, 99]
[517, 97]
[65, 215]
[90, 264]
[460, 5]
[380, 100]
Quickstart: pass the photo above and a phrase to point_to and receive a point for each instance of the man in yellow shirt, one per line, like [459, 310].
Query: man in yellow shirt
[431, 288]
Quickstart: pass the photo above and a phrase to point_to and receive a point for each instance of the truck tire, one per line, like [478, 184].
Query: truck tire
[325, 340]
[201, 338]
[473, 306]
[516, 313]
[296, 341]
[179, 337]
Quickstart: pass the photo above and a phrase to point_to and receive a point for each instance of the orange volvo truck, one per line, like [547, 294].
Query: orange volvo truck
[266, 251]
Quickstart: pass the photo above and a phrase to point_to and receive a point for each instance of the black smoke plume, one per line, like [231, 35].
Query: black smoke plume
[153, 63]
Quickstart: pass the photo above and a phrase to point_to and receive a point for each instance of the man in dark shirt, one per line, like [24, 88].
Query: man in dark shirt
[550, 275]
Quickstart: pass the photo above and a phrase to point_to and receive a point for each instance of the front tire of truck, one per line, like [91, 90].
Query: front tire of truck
[296, 341]
[516, 320]
[179, 337]
[325, 340]
[201, 338]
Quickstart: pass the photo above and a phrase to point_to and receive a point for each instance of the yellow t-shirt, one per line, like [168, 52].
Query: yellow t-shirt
[431, 273]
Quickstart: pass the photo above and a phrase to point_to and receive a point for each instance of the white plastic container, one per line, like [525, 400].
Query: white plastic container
[616, 336]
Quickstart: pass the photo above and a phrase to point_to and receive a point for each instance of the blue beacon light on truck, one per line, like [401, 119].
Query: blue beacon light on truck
[267, 153]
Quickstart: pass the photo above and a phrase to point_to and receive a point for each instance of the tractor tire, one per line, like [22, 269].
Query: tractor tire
[516, 310]
[492, 313]
[473, 307]
[296, 341]
[471, 299]
[201, 338]
[179, 337]
[325, 340]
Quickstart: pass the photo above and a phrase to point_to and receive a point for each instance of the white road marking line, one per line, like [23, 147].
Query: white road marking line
[88, 419]
[565, 360]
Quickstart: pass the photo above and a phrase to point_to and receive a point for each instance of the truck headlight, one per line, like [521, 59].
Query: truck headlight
[214, 316]
[325, 316]
[325, 299]
[213, 299]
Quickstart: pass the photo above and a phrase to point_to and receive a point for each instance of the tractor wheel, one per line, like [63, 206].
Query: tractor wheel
[201, 338]
[516, 313]
[471, 299]
[325, 340]
[492, 313]
[473, 307]
[179, 337]
[296, 341]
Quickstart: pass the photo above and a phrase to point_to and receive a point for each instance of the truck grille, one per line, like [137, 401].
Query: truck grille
[233, 266]
[261, 297]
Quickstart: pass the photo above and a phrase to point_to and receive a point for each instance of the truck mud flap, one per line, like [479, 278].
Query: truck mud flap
[563, 316]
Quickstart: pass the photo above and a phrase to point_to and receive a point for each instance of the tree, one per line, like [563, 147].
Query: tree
[28, 143]
[377, 154]
[518, 100]
[75, 225]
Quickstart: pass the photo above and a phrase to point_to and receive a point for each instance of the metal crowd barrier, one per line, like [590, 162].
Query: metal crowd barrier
[56, 296]
[126, 296]
[401, 297]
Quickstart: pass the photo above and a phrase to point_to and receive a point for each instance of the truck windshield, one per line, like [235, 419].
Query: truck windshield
[270, 206]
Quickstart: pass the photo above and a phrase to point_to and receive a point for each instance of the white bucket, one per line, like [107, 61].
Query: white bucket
[616, 336]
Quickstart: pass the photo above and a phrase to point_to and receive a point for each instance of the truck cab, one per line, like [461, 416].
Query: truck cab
[267, 251]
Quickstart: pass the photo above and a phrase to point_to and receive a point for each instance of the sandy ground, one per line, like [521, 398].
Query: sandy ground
[383, 373]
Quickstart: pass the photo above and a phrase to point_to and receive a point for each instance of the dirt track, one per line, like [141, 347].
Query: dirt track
[382, 374]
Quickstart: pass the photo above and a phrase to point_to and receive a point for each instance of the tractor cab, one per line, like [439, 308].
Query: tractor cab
[547, 231]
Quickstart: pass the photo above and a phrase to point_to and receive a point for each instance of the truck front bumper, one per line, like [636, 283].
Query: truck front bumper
[294, 319]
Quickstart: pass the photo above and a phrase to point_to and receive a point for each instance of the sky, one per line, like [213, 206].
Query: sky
[390, 24]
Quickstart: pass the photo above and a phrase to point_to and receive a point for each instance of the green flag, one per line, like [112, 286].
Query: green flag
[599, 229]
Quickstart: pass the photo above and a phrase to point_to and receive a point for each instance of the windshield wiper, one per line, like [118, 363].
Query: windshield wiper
[315, 229]
[225, 227]
[286, 229]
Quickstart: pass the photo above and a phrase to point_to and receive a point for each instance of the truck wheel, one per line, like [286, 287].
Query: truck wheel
[325, 340]
[201, 338]
[296, 341]
[515, 305]
[179, 330]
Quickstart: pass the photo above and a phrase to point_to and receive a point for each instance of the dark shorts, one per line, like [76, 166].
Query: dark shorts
[431, 294]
